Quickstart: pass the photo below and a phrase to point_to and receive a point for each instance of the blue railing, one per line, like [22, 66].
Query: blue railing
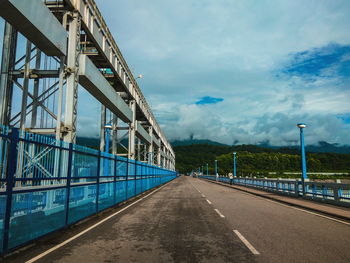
[333, 193]
[46, 184]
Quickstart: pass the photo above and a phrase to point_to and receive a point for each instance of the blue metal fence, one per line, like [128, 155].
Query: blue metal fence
[47, 184]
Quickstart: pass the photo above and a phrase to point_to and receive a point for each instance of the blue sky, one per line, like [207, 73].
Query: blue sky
[241, 71]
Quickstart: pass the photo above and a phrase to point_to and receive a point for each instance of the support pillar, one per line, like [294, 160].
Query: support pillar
[132, 129]
[36, 91]
[102, 129]
[70, 122]
[159, 156]
[150, 146]
[138, 149]
[7, 65]
[115, 135]
[25, 86]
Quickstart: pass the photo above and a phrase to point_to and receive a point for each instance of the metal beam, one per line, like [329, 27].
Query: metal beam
[141, 132]
[35, 21]
[94, 82]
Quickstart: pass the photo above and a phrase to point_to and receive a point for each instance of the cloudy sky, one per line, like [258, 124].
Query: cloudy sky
[242, 71]
[238, 71]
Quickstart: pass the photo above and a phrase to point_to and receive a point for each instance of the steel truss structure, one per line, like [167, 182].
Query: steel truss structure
[67, 45]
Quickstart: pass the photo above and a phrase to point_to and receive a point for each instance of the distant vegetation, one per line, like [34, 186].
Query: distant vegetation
[258, 161]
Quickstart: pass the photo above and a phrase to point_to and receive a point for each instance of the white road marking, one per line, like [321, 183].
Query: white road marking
[208, 202]
[196, 188]
[219, 213]
[309, 212]
[296, 208]
[246, 242]
[88, 229]
[203, 195]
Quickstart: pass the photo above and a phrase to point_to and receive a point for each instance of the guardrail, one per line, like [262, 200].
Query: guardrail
[333, 193]
[47, 184]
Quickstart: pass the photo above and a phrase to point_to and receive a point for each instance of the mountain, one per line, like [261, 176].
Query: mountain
[194, 141]
[321, 147]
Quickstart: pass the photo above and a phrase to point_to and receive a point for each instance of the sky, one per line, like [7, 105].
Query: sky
[236, 71]
[240, 71]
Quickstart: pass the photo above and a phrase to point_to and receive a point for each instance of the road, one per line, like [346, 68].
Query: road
[191, 220]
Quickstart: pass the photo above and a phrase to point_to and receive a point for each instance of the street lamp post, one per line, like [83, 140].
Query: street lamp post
[234, 164]
[216, 169]
[301, 127]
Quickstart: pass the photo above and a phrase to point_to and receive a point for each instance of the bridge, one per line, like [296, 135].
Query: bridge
[123, 201]
[50, 50]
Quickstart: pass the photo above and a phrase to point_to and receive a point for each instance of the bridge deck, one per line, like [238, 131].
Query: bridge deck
[179, 223]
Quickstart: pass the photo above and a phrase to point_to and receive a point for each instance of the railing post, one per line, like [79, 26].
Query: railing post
[11, 170]
[115, 179]
[126, 179]
[336, 193]
[69, 176]
[135, 173]
[296, 187]
[98, 177]
[143, 165]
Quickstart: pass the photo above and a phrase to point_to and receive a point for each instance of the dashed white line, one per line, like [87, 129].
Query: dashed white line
[88, 229]
[208, 202]
[246, 242]
[219, 213]
[203, 195]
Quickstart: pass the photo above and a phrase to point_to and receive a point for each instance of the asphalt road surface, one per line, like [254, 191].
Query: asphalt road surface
[191, 220]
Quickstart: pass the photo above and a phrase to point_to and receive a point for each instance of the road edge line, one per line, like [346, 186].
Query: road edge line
[324, 214]
[43, 254]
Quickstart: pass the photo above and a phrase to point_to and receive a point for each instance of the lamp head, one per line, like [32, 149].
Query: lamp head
[301, 125]
[108, 126]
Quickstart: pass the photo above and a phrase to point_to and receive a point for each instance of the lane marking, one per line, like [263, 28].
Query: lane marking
[196, 188]
[246, 243]
[88, 229]
[219, 213]
[306, 211]
[203, 195]
[208, 202]
[293, 207]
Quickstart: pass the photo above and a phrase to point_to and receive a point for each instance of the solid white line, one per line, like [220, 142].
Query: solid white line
[208, 202]
[88, 229]
[246, 242]
[219, 213]
[306, 211]
[296, 208]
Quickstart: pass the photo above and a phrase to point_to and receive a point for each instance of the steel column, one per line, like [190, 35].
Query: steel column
[70, 122]
[7, 65]
[25, 86]
[35, 91]
[115, 134]
[102, 128]
[132, 127]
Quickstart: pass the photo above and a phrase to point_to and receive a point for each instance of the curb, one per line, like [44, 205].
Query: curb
[281, 201]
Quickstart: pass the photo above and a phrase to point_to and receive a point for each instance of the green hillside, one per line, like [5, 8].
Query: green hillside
[255, 160]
